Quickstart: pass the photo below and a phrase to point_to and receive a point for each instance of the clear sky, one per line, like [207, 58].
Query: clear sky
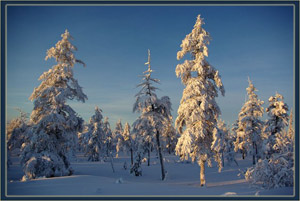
[254, 41]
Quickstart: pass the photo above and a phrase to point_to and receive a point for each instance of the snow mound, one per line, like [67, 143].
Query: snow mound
[229, 193]
[120, 181]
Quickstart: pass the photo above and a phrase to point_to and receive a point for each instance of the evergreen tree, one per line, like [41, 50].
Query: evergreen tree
[153, 120]
[145, 101]
[218, 144]
[277, 170]
[249, 137]
[16, 131]
[54, 124]
[198, 111]
[16, 134]
[278, 120]
[170, 137]
[95, 136]
[229, 152]
[125, 142]
[108, 137]
[117, 134]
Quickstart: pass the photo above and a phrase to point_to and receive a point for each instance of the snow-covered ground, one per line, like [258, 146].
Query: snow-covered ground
[97, 178]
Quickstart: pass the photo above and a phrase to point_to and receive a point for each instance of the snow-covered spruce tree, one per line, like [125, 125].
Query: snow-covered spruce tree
[95, 137]
[125, 142]
[198, 111]
[108, 142]
[16, 131]
[170, 137]
[277, 121]
[54, 123]
[218, 144]
[83, 138]
[154, 117]
[278, 169]
[249, 138]
[108, 138]
[117, 134]
[229, 152]
[16, 134]
[145, 101]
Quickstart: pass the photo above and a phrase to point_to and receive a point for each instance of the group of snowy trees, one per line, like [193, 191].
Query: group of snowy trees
[54, 130]
[275, 168]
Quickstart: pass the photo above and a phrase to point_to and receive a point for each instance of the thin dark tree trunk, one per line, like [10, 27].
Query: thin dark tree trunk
[253, 155]
[160, 157]
[131, 153]
[149, 156]
[222, 155]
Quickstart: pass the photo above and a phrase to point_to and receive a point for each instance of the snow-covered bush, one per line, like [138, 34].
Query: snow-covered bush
[198, 111]
[54, 124]
[249, 139]
[276, 170]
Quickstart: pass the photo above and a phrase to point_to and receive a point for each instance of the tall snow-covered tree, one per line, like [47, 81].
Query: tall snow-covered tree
[154, 117]
[54, 124]
[145, 101]
[95, 136]
[249, 138]
[277, 121]
[198, 111]
[125, 142]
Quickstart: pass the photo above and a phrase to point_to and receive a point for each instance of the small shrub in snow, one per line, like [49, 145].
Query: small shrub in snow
[277, 170]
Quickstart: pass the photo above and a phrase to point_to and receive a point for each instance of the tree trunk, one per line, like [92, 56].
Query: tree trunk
[112, 163]
[148, 157]
[160, 157]
[131, 153]
[222, 155]
[202, 173]
[243, 154]
[253, 145]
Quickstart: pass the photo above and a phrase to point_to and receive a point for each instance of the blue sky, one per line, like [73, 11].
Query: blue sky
[254, 41]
